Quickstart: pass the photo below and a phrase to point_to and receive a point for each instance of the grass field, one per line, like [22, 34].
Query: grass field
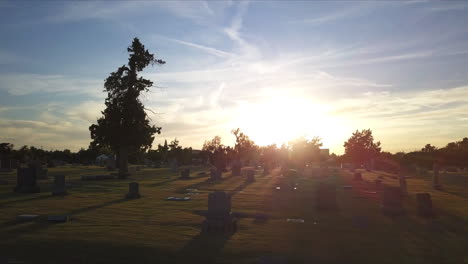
[106, 228]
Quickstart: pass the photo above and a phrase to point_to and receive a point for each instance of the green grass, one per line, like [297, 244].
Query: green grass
[106, 228]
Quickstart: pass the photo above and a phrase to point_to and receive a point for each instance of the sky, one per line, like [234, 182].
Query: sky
[276, 70]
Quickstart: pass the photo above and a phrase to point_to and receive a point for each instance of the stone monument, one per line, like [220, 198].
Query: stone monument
[59, 187]
[26, 181]
[424, 205]
[133, 190]
[219, 218]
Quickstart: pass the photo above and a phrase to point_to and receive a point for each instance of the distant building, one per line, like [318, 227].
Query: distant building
[101, 160]
[325, 153]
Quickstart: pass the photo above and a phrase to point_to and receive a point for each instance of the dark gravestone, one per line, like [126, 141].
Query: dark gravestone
[59, 187]
[215, 174]
[58, 218]
[435, 179]
[185, 173]
[402, 182]
[357, 176]
[219, 217]
[26, 181]
[392, 201]
[236, 168]
[378, 184]
[266, 169]
[249, 174]
[424, 202]
[326, 197]
[133, 190]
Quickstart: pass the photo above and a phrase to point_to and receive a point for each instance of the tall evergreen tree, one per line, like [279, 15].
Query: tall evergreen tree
[125, 126]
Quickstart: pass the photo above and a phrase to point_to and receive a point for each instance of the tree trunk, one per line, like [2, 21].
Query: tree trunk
[123, 162]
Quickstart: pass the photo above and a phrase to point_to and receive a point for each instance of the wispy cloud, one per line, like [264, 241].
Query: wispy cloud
[23, 84]
[209, 50]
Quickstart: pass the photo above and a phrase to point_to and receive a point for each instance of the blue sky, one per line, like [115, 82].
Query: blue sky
[277, 70]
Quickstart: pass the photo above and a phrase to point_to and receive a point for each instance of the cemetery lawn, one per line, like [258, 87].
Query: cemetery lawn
[106, 228]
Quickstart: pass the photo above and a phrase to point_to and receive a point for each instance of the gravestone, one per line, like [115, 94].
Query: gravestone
[326, 197]
[110, 164]
[378, 184]
[249, 174]
[39, 171]
[236, 168]
[357, 176]
[219, 217]
[266, 169]
[58, 218]
[26, 181]
[424, 204]
[133, 190]
[402, 182]
[435, 179]
[392, 201]
[185, 173]
[174, 165]
[59, 187]
[215, 174]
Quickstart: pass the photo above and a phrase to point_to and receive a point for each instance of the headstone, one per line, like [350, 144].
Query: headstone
[174, 165]
[266, 169]
[378, 184]
[392, 201]
[435, 179]
[110, 164]
[402, 182]
[59, 187]
[26, 181]
[326, 197]
[133, 190]
[39, 171]
[27, 217]
[219, 217]
[249, 174]
[58, 218]
[424, 205]
[215, 174]
[185, 173]
[357, 176]
[236, 168]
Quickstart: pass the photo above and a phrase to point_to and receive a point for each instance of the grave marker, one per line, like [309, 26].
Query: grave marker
[185, 173]
[219, 217]
[133, 190]
[424, 205]
[435, 179]
[59, 187]
[26, 181]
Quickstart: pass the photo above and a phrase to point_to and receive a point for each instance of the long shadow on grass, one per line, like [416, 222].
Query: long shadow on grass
[240, 188]
[41, 224]
[94, 207]
[203, 248]
[35, 198]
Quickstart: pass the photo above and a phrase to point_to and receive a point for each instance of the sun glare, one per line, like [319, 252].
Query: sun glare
[281, 119]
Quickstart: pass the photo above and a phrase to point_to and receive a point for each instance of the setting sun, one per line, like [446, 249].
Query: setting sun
[281, 118]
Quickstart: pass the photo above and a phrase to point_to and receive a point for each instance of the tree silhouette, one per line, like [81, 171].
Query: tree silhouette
[360, 147]
[245, 147]
[125, 125]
